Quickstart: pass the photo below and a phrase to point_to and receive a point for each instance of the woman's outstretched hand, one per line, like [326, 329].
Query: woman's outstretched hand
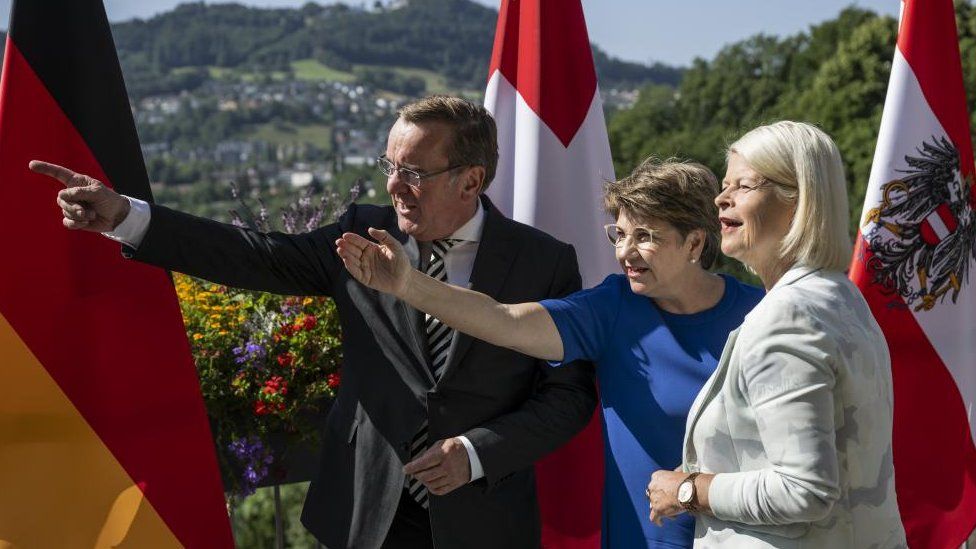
[381, 265]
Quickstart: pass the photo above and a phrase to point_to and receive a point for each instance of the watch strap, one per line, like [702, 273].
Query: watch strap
[692, 504]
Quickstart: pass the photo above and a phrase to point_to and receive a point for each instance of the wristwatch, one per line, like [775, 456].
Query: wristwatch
[687, 494]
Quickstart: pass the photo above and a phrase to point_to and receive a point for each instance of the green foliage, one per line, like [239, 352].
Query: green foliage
[846, 99]
[834, 75]
[315, 70]
[253, 519]
[389, 79]
[195, 34]
[452, 38]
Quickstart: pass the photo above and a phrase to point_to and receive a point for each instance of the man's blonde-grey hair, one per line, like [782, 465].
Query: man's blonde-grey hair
[807, 166]
[679, 193]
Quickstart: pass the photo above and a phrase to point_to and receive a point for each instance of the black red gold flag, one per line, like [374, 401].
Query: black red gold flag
[104, 440]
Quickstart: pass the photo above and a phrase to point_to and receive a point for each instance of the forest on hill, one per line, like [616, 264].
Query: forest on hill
[834, 75]
[450, 37]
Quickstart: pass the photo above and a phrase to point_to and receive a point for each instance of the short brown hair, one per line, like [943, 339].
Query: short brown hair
[680, 193]
[475, 140]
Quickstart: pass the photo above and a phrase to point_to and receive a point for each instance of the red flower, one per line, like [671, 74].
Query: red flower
[275, 386]
[286, 359]
[309, 322]
[333, 380]
[260, 408]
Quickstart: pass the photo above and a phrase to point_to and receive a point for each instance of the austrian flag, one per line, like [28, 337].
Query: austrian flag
[914, 263]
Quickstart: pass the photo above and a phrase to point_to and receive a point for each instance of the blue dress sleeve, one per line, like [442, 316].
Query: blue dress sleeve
[586, 319]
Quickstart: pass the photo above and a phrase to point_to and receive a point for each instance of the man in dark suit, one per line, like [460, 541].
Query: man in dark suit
[433, 435]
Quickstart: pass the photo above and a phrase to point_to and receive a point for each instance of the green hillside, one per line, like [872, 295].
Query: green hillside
[446, 43]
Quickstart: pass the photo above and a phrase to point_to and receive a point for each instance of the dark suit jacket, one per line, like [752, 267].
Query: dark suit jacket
[513, 408]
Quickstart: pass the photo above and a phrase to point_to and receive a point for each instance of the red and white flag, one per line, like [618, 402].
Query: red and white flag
[915, 262]
[554, 157]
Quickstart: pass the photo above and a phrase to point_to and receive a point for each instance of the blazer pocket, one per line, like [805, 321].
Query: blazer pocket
[343, 423]
[511, 481]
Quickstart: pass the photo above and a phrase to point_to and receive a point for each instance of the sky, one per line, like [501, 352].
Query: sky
[669, 31]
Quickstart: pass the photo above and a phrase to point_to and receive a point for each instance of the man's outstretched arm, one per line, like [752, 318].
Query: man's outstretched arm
[287, 264]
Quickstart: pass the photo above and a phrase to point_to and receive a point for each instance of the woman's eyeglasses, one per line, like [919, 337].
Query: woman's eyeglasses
[643, 238]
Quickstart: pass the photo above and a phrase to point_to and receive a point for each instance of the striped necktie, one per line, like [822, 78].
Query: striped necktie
[439, 338]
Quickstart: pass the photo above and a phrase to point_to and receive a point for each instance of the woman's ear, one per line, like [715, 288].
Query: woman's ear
[696, 243]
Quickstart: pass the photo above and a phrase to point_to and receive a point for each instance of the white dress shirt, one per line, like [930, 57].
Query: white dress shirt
[459, 262]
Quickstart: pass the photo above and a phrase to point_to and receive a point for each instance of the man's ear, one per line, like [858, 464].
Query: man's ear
[472, 181]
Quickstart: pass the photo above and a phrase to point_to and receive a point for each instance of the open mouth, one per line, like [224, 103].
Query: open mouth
[729, 224]
[634, 272]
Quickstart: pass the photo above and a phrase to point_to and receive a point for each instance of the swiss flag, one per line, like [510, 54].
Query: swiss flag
[554, 157]
[913, 262]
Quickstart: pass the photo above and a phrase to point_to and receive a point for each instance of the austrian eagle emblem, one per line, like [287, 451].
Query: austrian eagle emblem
[924, 238]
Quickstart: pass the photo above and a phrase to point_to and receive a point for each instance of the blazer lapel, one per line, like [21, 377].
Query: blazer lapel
[408, 320]
[708, 392]
[496, 254]
[405, 322]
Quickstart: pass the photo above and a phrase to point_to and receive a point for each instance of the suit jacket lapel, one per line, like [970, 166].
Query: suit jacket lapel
[409, 321]
[407, 325]
[708, 392]
[496, 254]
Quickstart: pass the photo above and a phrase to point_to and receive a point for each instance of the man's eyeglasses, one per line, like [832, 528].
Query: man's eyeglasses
[410, 177]
[643, 238]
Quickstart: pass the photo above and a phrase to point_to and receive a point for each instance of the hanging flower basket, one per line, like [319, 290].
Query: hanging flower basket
[269, 369]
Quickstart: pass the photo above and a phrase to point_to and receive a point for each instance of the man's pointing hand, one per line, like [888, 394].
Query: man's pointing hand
[85, 202]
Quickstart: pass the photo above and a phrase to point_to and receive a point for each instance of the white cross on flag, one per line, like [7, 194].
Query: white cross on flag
[913, 262]
[554, 157]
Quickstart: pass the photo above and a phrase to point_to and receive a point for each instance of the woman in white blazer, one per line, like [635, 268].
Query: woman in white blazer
[788, 444]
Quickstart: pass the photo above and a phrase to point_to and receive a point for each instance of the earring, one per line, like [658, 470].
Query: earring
[693, 260]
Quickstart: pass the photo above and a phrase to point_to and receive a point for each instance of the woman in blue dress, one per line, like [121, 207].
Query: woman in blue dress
[655, 332]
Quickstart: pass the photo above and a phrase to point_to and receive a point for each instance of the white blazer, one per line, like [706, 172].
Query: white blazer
[796, 424]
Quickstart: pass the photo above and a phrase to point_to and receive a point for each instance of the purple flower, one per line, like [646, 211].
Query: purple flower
[254, 458]
[250, 354]
[289, 310]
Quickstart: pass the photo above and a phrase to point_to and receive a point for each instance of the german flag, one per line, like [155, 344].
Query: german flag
[104, 440]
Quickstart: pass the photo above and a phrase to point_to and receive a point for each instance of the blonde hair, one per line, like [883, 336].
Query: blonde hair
[807, 166]
[679, 193]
